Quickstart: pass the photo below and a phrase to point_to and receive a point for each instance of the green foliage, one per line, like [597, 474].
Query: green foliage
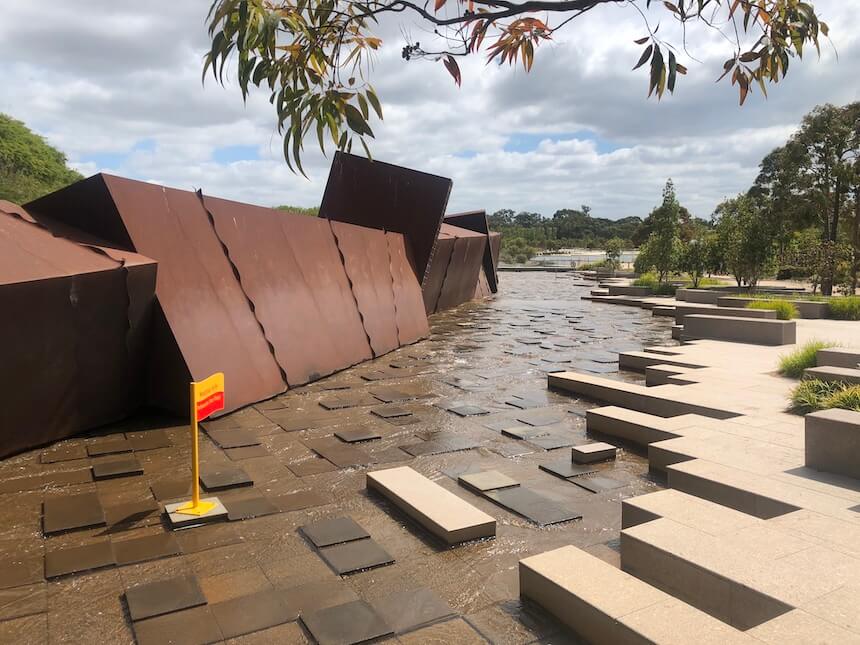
[746, 239]
[517, 250]
[614, 248]
[811, 395]
[313, 211]
[663, 247]
[652, 281]
[592, 266]
[783, 308]
[29, 166]
[793, 364]
[845, 307]
[695, 258]
[567, 228]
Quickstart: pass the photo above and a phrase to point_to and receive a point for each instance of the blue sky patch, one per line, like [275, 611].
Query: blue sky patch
[230, 154]
[529, 141]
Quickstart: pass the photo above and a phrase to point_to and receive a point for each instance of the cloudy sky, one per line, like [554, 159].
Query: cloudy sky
[116, 85]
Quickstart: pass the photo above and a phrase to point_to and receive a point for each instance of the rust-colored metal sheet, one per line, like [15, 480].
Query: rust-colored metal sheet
[409, 312]
[388, 197]
[496, 247]
[366, 260]
[482, 289]
[461, 275]
[432, 287]
[73, 317]
[290, 269]
[477, 222]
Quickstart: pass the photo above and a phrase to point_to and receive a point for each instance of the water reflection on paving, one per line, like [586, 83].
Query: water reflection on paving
[448, 399]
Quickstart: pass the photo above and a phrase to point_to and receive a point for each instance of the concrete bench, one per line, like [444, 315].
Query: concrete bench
[636, 427]
[833, 442]
[640, 361]
[736, 312]
[809, 309]
[832, 374]
[838, 357]
[623, 290]
[742, 330]
[436, 509]
[605, 605]
[699, 296]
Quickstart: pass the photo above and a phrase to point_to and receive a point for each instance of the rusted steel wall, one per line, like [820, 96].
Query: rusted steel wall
[391, 198]
[477, 221]
[456, 268]
[73, 319]
[409, 315]
[432, 287]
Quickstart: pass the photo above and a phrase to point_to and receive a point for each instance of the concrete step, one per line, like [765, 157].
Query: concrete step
[738, 451]
[605, 605]
[735, 312]
[838, 357]
[833, 441]
[639, 361]
[833, 374]
[740, 330]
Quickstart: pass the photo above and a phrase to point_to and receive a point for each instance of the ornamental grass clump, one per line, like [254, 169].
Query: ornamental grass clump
[793, 364]
[784, 309]
[845, 308]
[812, 395]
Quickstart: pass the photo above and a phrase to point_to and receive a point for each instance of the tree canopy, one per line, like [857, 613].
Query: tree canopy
[29, 166]
[314, 57]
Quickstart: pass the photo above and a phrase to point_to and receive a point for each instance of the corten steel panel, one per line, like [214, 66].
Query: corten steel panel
[477, 221]
[482, 289]
[392, 198]
[366, 260]
[202, 301]
[290, 269]
[432, 288]
[461, 276]
[410, 315]
[496, 247]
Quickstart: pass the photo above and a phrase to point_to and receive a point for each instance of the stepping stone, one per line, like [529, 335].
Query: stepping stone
[593, 452]
[500, 425]
[72, 512]
[406, 611]
[378, 375]
[487, 480]
[298, 501]
[233, 438]
[205, 538]
[361, 433]
[334, 531]
[171, 488]
[531, 505]
[132, 515]
[78, 558]
[179, 520]
[597, 483]
[312, 466]
[391, 395]
[109, 447]
[126, 467]
[246, 452]
[390, 411]
[524, 404]
[566, 469]
[353, 622]
[512, 449]
[552, 441]
[66, 453]
[468, 410]
[68, 478]
[251, 613]
[226, 478]
[148, 547]
[313, 596]
[539, 417]
[341, 455]
[357, 555]
[196, 625]
[524, 432]
[164, 597]
[403, 421]
[21, 570]
[151, 440]
[439, 446]
[249, 507]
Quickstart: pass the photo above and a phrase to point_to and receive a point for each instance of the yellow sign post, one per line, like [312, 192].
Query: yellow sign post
[207, 396]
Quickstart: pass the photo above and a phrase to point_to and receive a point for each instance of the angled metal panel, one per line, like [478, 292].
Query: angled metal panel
[410, 316]
[432, 288]
[477, 221]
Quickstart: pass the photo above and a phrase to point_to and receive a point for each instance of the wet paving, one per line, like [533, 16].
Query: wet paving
[472, 398]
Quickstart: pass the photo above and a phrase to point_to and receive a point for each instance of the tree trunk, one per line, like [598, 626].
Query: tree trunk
[855, 266]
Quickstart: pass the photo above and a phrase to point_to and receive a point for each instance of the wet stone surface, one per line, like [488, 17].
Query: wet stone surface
[263, 562]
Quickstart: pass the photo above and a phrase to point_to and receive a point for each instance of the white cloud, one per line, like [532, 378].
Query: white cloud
[117, 87]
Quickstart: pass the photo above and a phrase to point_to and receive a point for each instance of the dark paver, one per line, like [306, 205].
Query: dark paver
[248, 507]
[113, 468]
[194, 626]
[468, 410]
[566, 469]
[334, 531]
[353, 622]
[439, 446]
[167, 489]
[409, 610]
[109, 447]
[597, 483]
[65, 453]
[72, 512]
[532, 505]
[233, 438]
[487, 480]
[225, 478]
[299, 500]
[553, 441]
[78, 558]
[164, 597]
[357, 555]
[132, 514]
[21, 570]
[312, 466]
[251, 613]
[390, 411]
[340, 454]
[313, 596]
[151, 440]
[246, 452]
[361, 433]
[147, 547]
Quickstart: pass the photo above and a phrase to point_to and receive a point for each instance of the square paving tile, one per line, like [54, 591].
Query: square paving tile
[114, 468]
[194, 626]
[69, 477]
[248, 507]
[361, 433]
[533, 506]
[524, 432]
[340, 454]
[251, 613]
[552, 441]
[487, 480]
[502, 424]
[512, 449]
[539, 417]
[403, 421]
[468, 410]
[391, 395]
[78, 558]
[407, 610]
[66, 453]
[148, 547]
[299, 500]
[524, 404]
[150, 440]
[334, 531]
[166, 489]
[566, 469]
[312, 466]
[109, 447]
[313, 596]
[132, 514]
[597, 483]
[72, 512]
[357, 555]
[246, 452]
[440, 446]
[233, 438]
[390, 411]
[225, 478]
[353, 622]
[21, 570]
[164, 597]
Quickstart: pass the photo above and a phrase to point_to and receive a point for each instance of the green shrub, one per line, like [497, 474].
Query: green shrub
[811, 394]
[647, 280]
[793, 364]
[847, 398]
[784, 309]
[845, 308]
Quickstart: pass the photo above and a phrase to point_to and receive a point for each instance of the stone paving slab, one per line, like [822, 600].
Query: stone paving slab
[164, 597]
[354, 622]
[411, 610]
[356, 555]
